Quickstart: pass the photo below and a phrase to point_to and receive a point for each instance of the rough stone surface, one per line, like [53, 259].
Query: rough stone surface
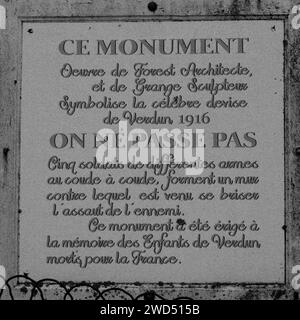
[10, 95]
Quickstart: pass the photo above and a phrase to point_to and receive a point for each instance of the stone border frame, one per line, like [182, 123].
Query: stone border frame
[132, 10]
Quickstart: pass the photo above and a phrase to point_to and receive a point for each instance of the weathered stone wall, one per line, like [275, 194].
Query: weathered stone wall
[10, 95]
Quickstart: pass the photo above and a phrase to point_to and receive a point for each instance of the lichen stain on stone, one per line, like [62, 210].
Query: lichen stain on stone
[249, 295]
[24, 290]
[5, 154]
[234, 8]
[258, 5]
[149, 295]
[277, 294]
[294, 59]
[5, 166]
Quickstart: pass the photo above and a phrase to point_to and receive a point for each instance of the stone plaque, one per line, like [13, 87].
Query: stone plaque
[85, 220]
